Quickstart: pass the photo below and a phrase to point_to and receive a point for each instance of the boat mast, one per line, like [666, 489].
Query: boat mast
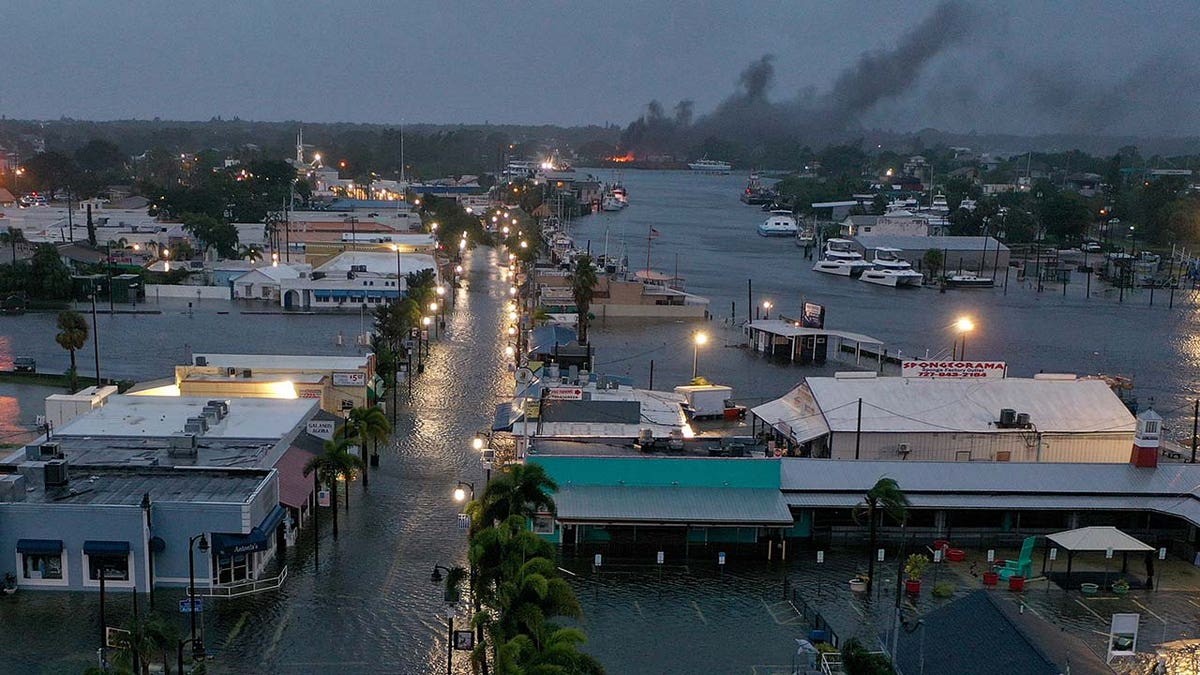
[649, 238]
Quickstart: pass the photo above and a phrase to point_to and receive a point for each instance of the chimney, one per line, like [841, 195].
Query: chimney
[1146, 439]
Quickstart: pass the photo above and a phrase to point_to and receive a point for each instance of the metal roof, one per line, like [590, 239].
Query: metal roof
[125, 486]
[676, 505]
[909, 404]
[789, 329]
[795, 415]
[1098, 538]
[165, 416]
[915, 242]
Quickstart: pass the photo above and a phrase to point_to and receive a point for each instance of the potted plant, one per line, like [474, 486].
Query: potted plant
[1120, 587]
[1088, 588]
[859, 583]
[10, 583]
[914, 569]
[991, 578]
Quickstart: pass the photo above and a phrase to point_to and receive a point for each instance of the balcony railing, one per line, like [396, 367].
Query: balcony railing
[248, 587]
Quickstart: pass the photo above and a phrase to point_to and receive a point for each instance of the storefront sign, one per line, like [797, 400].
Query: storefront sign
[955, 369]
[814, 315]
[1122, 636]
[321, 428]
[464, 640]
[309, 394]
[354, 379]
[564, 393]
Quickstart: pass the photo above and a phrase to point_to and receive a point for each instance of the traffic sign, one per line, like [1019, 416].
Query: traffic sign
[820, 557]
[660, 557]
[598, 560]
[185, 605]
[721, 558]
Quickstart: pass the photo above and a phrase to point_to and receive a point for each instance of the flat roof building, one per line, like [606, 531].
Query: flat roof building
[337, 382]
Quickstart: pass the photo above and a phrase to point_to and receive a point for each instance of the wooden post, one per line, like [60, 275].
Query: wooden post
[858, 431]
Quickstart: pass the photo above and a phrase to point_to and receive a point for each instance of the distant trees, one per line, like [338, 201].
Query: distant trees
[217, 234]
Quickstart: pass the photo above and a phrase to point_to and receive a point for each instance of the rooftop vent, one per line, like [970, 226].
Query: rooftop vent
[56, 473]
[202, 360]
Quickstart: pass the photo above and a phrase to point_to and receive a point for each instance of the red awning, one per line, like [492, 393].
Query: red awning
[294, 487]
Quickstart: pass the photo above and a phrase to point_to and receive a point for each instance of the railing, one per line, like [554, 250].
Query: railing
[831, 663]
[248, 587]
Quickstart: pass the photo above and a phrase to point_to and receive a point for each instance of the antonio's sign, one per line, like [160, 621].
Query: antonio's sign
[959, 369]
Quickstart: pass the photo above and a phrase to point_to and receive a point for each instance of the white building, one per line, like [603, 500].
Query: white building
[263, 283]
[354, 279]
[859, 416]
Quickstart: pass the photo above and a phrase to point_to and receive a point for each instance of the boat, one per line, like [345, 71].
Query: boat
[611, 203]
[781, 223]
[755, 193]
[968, 280]
[840, 258]
[891, 270]
[806, 237]
[710, 166]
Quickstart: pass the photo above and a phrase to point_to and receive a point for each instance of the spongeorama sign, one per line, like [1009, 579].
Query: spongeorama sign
[956, 369]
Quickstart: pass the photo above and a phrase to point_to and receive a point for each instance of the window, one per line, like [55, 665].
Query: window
[543, 524]
[42, 565]
[1151, 426]
[962, 456]
[115, 567]
[233, 569]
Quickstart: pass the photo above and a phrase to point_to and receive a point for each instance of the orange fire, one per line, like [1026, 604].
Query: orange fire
[627, 157]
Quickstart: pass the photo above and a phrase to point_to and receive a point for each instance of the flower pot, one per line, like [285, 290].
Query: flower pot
[1089, 589]
[990, 578]
[941, 544]
[858, 585]
[1120, 590]
[956, 555]
[912, 586]
[9, 590]
[1016, 583]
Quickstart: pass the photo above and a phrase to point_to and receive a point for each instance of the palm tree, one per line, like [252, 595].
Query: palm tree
[884, 498]
[333, 464]
[583, 287]
[251, 253]
[149, 636]
[369, 424]
[72, 336]
[517, 490]
[13, 237]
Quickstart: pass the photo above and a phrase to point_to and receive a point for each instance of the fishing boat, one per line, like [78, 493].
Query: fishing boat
[710, 166]
[781, 223]
[968, 280]
[891, 270]
[840, 258]
[611, 203]
[756, 194]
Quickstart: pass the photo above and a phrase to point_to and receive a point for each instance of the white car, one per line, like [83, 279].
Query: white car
[1090, 247]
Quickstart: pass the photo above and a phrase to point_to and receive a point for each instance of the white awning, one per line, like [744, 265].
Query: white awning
[1098, 539]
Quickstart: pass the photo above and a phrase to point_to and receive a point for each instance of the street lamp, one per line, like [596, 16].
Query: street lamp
[767, 309]
[197, 645]
[964, 325]
[697, 340]
[460, 494]
[477, 443]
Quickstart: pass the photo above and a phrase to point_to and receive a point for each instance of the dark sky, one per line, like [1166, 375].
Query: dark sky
[1031, 65]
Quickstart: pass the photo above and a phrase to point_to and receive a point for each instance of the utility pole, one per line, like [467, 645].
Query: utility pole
[1195, 427]
[858, 431]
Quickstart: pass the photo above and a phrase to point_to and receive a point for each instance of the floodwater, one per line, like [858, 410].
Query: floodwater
[370, 607]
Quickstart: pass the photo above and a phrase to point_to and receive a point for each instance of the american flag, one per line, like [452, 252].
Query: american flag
[654, 234]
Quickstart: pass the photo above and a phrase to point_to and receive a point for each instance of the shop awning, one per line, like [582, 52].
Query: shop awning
[294, 487]
[672, 505]
[106, 547]
[41, 546]
[258, 539]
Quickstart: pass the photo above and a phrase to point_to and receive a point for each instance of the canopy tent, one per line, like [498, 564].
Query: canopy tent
[1096, 538]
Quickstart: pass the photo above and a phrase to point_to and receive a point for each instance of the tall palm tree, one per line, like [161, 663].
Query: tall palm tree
[583, 288]
[72, 336]
[331, 465]
[517, 490]
[149, 636]
[884, 498]
[368, 424]
[13, 237]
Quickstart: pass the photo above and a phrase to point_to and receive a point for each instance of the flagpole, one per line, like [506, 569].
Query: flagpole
[649, 238]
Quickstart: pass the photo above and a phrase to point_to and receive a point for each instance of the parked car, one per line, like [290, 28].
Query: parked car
[24, 364]
[1091, 247]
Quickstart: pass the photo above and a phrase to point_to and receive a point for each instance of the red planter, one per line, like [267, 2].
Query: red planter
[1016, 583]
[990, 578]
[956, 555]
[912, 586]
[941, 544]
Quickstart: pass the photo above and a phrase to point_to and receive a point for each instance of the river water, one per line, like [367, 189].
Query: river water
[371, 606]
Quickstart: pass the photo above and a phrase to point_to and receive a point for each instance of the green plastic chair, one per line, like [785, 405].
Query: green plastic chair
[1022, 566]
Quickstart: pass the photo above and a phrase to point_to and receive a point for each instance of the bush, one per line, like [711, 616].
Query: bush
[943, 589]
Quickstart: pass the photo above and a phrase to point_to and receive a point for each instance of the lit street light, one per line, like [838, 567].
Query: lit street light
[767, 309]
[964, 325]
[697, 340]
[460, 494]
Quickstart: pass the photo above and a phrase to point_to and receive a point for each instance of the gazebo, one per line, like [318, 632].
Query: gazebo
[1097, 538]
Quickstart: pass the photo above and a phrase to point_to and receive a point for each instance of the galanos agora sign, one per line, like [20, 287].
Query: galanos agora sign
[960, 369]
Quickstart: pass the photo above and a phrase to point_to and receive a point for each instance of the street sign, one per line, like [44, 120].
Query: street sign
[937, 555]
[1054, 554]
[991, 555]
[879, 555]
[185, 605]
[464, 640]
[720, 558]
[116, 637]
[1162, 553]
[820, 557]
[1108, 553]
[597, 560]
[660, 557]
[464, 521]
[323, 497]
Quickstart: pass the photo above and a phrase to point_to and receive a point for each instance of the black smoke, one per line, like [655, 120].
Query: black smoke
[749, 116]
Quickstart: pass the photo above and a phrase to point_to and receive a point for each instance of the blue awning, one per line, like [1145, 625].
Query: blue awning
[106, 547]
[258, 539]
[42, 546]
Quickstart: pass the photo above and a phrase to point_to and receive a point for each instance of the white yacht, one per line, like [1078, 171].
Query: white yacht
[891, 270]
[612, 203]
[781, 223]
[840, 257]
[710, 166]
[806, 236]
[968, 280]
